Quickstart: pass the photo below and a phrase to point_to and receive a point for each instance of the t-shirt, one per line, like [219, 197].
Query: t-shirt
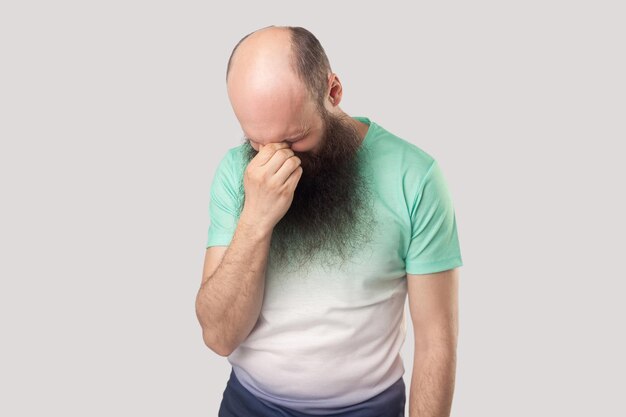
[333, 338]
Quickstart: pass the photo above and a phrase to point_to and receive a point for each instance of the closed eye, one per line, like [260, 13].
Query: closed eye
[296, 139]
[292, 140]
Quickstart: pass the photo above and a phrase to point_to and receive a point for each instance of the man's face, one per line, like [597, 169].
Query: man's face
[329, 215]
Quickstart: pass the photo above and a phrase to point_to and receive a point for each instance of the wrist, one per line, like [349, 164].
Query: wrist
[253, 226]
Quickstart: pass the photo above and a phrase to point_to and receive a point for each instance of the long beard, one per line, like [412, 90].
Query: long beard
[329, 217]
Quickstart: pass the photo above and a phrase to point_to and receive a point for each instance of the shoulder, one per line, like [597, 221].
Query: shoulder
[236, 157]
[230, 162]
[409, 160]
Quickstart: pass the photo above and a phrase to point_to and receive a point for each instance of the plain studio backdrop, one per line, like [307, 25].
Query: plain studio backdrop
[114, 114]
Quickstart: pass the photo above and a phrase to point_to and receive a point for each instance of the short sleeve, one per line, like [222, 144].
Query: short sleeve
[224, 205]
[434, 244]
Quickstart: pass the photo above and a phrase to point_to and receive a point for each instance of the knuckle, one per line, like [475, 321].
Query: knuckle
[273, 184]
[285, 152]
[294, 162]
[255, 175]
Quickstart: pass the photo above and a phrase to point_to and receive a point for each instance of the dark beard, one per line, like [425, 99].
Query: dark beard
[330, 215]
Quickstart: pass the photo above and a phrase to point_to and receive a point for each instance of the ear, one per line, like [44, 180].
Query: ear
[334, 90]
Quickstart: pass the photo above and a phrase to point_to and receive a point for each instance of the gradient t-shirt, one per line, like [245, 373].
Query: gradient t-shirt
[331, 337]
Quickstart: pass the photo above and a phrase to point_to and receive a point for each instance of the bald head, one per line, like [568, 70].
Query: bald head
[261, 47]
[277, 79]
[263, 87]
[289, 56]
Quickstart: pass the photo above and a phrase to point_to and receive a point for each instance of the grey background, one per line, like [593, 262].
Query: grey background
[114, 114]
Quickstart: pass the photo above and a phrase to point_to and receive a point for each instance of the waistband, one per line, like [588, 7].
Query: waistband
[237, 401]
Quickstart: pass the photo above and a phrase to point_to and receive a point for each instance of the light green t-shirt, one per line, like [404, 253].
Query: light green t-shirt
[330, 338]
[406, 178]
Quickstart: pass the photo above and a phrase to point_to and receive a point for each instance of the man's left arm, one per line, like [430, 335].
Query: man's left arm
[433, 304]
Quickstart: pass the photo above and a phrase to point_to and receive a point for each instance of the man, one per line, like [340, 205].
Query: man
[321, 223]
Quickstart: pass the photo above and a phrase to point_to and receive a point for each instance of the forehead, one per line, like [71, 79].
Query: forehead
[271, 116]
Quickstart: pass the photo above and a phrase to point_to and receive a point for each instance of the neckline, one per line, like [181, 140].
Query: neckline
[367, 139]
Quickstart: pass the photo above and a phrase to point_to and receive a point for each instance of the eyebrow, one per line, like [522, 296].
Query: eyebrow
[298, 136]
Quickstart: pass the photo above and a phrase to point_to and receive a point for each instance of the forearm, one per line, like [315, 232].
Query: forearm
[432, 382]
[229, 302]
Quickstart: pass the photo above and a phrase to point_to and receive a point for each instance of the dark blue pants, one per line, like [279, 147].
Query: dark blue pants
[237, 401]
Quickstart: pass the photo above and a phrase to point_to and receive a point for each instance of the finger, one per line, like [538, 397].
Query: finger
[278, 159]
[273, 144]
[294, 178]
[290, 166]
[267, 151]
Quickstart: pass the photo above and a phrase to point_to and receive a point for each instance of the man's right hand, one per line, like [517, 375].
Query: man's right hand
[270, 180]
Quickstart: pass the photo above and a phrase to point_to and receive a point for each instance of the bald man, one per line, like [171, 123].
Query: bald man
[321, 223]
